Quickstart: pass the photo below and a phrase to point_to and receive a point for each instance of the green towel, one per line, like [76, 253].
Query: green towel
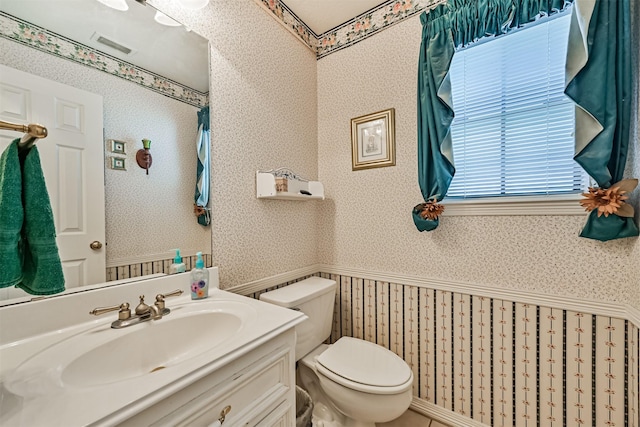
[41, 266]
[11, 217]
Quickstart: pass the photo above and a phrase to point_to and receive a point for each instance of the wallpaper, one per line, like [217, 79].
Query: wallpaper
[145, 215]
[499, 362]
[263, 116]
[366, 220]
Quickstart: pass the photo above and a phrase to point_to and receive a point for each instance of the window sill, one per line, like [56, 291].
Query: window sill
[507, 206]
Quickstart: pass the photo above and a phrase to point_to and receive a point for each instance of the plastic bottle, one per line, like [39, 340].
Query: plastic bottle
[199, 279]
[177, 266]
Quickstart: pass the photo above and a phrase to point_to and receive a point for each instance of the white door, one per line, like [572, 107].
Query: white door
[72, 162]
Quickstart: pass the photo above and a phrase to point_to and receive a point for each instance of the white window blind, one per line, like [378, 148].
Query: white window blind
[513, 127]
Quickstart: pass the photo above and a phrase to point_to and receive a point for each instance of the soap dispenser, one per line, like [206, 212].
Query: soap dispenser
[199, 279]
[178, 265]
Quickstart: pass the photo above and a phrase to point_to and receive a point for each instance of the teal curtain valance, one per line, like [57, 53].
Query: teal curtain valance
[203, 147]
[599, 80]
[448, 26]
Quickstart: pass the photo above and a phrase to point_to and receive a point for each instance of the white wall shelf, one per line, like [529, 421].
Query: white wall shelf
[266, 188]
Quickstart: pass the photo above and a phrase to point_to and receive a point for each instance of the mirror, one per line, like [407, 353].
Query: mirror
[153, 80]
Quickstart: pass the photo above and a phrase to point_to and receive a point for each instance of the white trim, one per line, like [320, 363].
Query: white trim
[278, 279]
[545, 300]
[633, 315]
[602, 308]
[443, 415]
[566, 204]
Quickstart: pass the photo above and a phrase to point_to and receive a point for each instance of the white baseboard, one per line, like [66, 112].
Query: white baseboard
[442, 415]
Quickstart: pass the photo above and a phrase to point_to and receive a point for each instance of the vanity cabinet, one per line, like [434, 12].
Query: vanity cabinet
[259, 386]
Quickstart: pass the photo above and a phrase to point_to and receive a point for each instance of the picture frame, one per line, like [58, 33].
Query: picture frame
[117, 147]
[118, 163]
[373, 142]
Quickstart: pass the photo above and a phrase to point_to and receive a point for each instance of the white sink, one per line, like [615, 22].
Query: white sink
[102, 356]
[161, 344]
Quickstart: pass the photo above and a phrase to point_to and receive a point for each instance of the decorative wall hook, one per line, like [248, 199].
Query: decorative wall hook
[143, 156]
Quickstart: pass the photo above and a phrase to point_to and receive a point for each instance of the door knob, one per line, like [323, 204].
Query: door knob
[95, 245]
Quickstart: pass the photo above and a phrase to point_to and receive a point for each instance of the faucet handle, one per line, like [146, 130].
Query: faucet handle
[160, 297]
[123, 314]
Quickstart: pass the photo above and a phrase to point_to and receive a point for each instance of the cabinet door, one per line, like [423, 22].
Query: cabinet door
[253, 393]
[253, 385]
[282, 416]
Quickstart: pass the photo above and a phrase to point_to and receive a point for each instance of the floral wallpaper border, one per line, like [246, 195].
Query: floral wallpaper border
[351, 32]
[290, 21]
[31, 35]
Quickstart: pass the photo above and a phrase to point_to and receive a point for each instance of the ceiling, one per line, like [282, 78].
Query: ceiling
[323, 15]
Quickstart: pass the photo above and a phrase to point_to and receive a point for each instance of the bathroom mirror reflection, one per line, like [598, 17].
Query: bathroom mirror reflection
[150, 76]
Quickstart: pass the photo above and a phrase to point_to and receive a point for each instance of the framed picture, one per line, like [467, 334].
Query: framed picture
[118, 147]
[373, 142]
[118, 163]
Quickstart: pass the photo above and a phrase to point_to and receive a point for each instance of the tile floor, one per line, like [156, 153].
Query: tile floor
[412, 419]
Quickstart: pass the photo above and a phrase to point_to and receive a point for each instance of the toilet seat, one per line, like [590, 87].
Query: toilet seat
[364, 366]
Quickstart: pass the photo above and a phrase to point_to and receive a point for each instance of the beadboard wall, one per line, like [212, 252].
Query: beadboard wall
[138, 269]
[481, 360]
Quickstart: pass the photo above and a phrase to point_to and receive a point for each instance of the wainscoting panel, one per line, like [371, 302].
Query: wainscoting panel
[499, 362]
[496, 362]
[137, 269]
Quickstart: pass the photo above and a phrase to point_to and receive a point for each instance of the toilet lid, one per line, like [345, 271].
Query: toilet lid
[365, 363]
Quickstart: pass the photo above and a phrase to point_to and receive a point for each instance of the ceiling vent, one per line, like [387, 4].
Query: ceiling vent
[112, 44]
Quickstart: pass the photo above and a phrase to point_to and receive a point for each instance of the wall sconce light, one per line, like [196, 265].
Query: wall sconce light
[143, 156]
[193, 4]
[116, 4]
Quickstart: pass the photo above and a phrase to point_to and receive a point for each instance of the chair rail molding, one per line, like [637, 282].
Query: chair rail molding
[564, 302]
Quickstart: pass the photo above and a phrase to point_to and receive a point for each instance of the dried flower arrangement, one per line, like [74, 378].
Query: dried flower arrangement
[199, 210]
[610, 200]
[430, 210]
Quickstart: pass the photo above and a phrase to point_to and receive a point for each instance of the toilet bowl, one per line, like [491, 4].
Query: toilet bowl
[352, 382]
[363, 382]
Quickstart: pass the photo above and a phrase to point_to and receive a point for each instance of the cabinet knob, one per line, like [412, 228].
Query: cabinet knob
[95, 245]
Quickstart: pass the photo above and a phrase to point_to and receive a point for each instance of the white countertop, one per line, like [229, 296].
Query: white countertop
[38, 397]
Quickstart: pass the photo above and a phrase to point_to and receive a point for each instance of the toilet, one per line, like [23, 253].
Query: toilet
[352, 382]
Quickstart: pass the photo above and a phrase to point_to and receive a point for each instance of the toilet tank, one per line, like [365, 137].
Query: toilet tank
[315, 297]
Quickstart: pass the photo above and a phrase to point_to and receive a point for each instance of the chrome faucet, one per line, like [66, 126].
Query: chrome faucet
[143, 312]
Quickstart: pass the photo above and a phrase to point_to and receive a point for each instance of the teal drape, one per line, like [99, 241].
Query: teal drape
[203, 168]
[599, 79]
[435, 112]
[448, 26]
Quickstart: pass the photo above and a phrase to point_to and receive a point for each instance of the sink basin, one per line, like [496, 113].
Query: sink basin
[102, 356]
[155, 346]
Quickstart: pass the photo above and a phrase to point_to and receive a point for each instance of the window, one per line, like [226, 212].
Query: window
[513, 128]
